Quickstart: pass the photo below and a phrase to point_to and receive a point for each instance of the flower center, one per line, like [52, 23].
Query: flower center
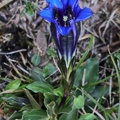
[63, 17]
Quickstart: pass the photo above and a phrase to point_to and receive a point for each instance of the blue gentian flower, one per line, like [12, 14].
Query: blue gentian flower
[63, 14]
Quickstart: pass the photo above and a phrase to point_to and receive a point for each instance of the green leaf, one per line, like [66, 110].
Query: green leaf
[48, 69]
[37, 74]
[14, 85]
[51, 112]
[51, 52]
[67, 106]
[86, 52]
[6, 79]
[49, 97]
[79, 102]
[33, 102]
[59, 91]
[26, 108]
[30, 12]
[91, 74]
[30, 7]
[72, 115]
[117, 55]
[87, 116]
[100, 91]
[35, 114]
[16, 102]
[40, 86]
[15, 116]
[35, 60]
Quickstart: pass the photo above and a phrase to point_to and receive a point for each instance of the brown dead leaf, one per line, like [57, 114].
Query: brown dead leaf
[84, 37]
[97, 7]
[114, 46]
[40, 43]
[1, 114]
[109, 4]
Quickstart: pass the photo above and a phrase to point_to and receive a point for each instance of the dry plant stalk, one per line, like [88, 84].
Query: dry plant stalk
[4, 3]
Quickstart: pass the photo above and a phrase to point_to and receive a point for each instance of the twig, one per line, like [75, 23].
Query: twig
[4, 3]
[25, 71]
[98, 113]
[19, 74]
[13, 52]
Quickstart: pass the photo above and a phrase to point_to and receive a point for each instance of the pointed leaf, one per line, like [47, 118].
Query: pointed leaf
[91, 74]
[79, 102]
[16, 102]
[15, 115]
[48, 69]
[87, 116]
[68, 105]
[72, 115]
[49, 97]
[37, 74]
[13, 85]
[35, 114]
[33, 102]
[59, 91]
[40, 86]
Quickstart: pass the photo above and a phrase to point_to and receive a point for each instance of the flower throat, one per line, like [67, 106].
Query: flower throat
[63, 17]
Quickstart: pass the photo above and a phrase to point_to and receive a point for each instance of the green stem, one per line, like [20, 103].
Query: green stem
[66, 91]
[69, 70]
[86, 52]
[67, 83]
[118, 76]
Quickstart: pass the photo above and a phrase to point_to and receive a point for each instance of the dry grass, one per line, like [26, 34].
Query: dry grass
[104, 25]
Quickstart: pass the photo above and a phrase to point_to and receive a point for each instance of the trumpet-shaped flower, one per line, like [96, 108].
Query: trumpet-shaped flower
[63, 14]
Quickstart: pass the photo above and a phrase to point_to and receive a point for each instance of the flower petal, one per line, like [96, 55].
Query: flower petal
[67, 45]
[46, 14]
[56, 3]
[72, 3]
[73, 27]
[64, 30]
[69, 3]
[56, 37]
[76, 10]
[65, 2]
[84, 14]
